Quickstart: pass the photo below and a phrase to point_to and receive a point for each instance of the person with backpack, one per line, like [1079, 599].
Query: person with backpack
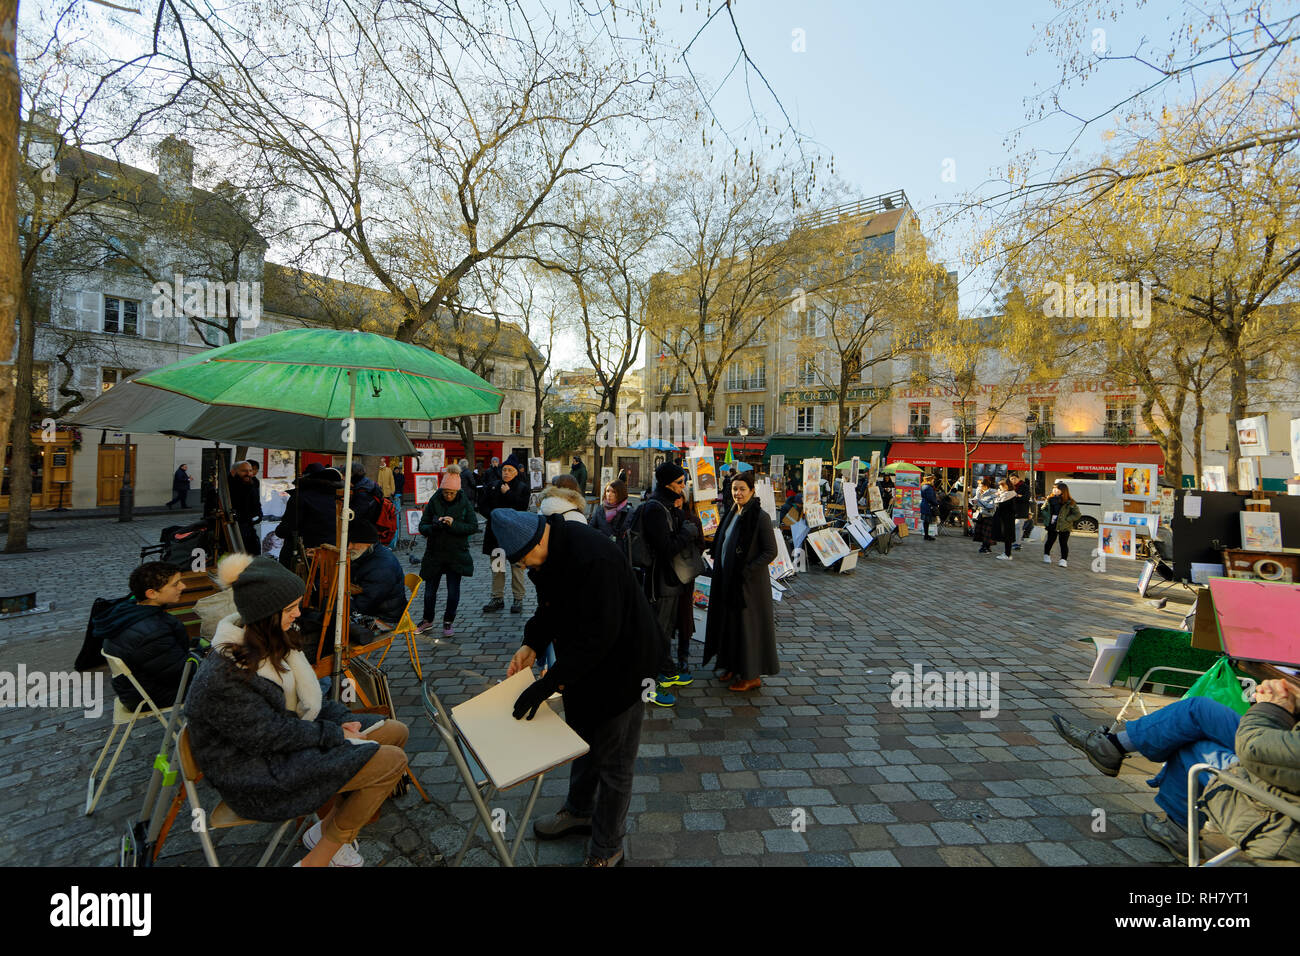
[510, 491]
[613, 514]
[665, 534]
[447, 524]
[1059, 513]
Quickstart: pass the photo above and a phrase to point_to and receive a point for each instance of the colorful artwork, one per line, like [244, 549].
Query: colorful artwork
[1252, 435]
[814, 514]
[812, 480]
[1214, 478]
[1137, 482]
[1261, 531]
[709, 517]
[704, 477]
[1295, 445]
[828, 545]
[1246, 475]
[536, 472]
[701, 596]
[1117, 541]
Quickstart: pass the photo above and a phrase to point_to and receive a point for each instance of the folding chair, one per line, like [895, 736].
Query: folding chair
[1137, 693]
[222, 817]
[406, 627]
[122, 716]
[480, 788]
[1258, 794]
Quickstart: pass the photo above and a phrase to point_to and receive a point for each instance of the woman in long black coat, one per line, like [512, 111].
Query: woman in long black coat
[740, 628]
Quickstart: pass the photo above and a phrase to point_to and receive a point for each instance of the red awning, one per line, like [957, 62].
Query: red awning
[948, 454]
[736, 445]
[1089, 457]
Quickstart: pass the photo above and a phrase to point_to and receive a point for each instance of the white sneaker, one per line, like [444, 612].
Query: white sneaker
[1061, 563]
[346, 855]
[1004, 557]
[1047, 559]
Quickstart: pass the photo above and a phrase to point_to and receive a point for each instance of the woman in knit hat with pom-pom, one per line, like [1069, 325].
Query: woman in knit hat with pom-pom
[262, 732]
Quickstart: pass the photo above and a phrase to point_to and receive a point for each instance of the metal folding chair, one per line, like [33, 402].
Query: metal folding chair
[480, 788]
[1258, 794]
[1137, 693]
[222, 817]
[122, 716]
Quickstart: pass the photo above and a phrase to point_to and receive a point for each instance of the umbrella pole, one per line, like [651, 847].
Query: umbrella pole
[339, 623]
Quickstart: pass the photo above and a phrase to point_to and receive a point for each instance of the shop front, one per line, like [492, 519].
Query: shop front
[747, 450]
[51, 469]
[1051, 461]
[796, 448]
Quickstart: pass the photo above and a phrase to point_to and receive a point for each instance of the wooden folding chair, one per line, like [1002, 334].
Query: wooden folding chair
[221, 817]
[122, 716]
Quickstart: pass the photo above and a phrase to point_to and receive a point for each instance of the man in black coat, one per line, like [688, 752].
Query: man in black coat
[310, 511]
[366, 501]
[150, 641]
[378, 573]
[666, 535]
[246, 502]
[604, 658]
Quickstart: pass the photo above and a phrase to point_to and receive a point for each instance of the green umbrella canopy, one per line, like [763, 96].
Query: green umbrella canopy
[305, 372]
[901, 466]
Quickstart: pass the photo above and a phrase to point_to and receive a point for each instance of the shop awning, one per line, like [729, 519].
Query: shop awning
[1092, 457]
[797, 448]
[948, 454]
[749, 444]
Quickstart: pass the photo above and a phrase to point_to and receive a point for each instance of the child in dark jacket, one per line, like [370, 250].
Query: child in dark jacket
[150, 641]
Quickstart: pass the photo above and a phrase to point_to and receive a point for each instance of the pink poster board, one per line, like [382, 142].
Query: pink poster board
[1257, 620]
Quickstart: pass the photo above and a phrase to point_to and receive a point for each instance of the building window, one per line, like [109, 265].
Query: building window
[803, 421]
[40, 383]
[484, 424]
[1045, 410]
[710, 331]
[918, 419]
[449, 424]
[121, 316]
[747, 377]
[108, 377]
[519, 375]
[861, 420]
[757, 422]
[516, 422]
[921, 365]
[963, 417]
[1120, 416]
[733, 416]
[807, 372]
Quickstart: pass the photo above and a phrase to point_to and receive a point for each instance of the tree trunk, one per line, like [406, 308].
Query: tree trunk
[20, 435]
[1237, 396]
[1198, 430]
[11, 273]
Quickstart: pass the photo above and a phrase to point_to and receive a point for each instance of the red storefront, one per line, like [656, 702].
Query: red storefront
[453, 450]
[748, 450]
[1097, 459]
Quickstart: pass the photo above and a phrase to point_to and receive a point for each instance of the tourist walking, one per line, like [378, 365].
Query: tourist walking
[740, 629]
[1059, 514]
[929, 506]
[1004, 517]
[180, 488]
[447, 524]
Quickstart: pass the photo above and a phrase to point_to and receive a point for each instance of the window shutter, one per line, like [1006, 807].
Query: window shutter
[821, 327]
[150, 324]
[819, 423]
[87, 317]
[789, 420]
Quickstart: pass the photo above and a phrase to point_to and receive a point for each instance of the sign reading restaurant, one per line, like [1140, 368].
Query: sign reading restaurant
[824, 396]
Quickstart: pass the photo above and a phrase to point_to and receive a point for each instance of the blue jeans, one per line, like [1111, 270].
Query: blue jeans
[546, 659]
[431, 596]
[1187, 732]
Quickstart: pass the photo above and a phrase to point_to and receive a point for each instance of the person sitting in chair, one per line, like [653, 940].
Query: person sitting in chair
[378, 582]
[150, 641]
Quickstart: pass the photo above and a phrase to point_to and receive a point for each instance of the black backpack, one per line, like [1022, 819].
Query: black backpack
[638, 549]
[91, 655]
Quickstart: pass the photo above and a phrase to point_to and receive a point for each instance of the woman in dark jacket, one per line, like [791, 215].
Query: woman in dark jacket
[511, 491]
[929, 505]
[447, 523]
[264, 735]
[740, 628]
[309, 512]
[613, 513]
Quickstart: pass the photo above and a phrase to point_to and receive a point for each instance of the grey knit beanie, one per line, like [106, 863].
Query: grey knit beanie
[262, 586]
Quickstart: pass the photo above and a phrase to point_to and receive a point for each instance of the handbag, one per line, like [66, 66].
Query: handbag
[688, 564]
[1220, 684]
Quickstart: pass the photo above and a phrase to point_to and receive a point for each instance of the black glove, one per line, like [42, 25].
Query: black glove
[534, 696]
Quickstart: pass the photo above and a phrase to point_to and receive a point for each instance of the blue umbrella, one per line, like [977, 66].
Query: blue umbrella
[658, 444]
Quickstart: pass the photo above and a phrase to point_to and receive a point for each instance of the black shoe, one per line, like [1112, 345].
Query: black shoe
[1101, 753]
[928, 538]
[517, 607]
[496, 604]
[1167, 833]
[560, 825]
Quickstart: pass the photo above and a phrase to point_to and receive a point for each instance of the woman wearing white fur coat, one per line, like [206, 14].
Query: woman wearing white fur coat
[263, 735]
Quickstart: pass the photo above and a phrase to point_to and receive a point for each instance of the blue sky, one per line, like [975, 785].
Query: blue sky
[892, 90]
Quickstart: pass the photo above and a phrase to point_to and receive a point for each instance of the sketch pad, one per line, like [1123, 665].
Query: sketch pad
[509, 750]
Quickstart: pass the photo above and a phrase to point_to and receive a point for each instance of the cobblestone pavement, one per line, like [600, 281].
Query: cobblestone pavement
[818, 769]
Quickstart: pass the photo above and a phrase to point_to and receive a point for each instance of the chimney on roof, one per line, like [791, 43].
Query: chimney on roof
[175, 166]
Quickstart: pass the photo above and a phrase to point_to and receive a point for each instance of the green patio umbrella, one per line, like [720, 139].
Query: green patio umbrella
[901, 466]
[309, 389]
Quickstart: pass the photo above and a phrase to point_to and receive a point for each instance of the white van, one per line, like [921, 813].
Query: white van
[1094, 496]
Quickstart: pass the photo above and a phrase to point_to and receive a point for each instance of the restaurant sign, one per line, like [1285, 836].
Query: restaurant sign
[826, 396]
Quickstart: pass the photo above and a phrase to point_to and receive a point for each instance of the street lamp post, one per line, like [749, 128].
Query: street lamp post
[1031, 423]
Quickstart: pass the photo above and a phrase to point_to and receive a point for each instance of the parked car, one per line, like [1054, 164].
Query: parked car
[1095, 497]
